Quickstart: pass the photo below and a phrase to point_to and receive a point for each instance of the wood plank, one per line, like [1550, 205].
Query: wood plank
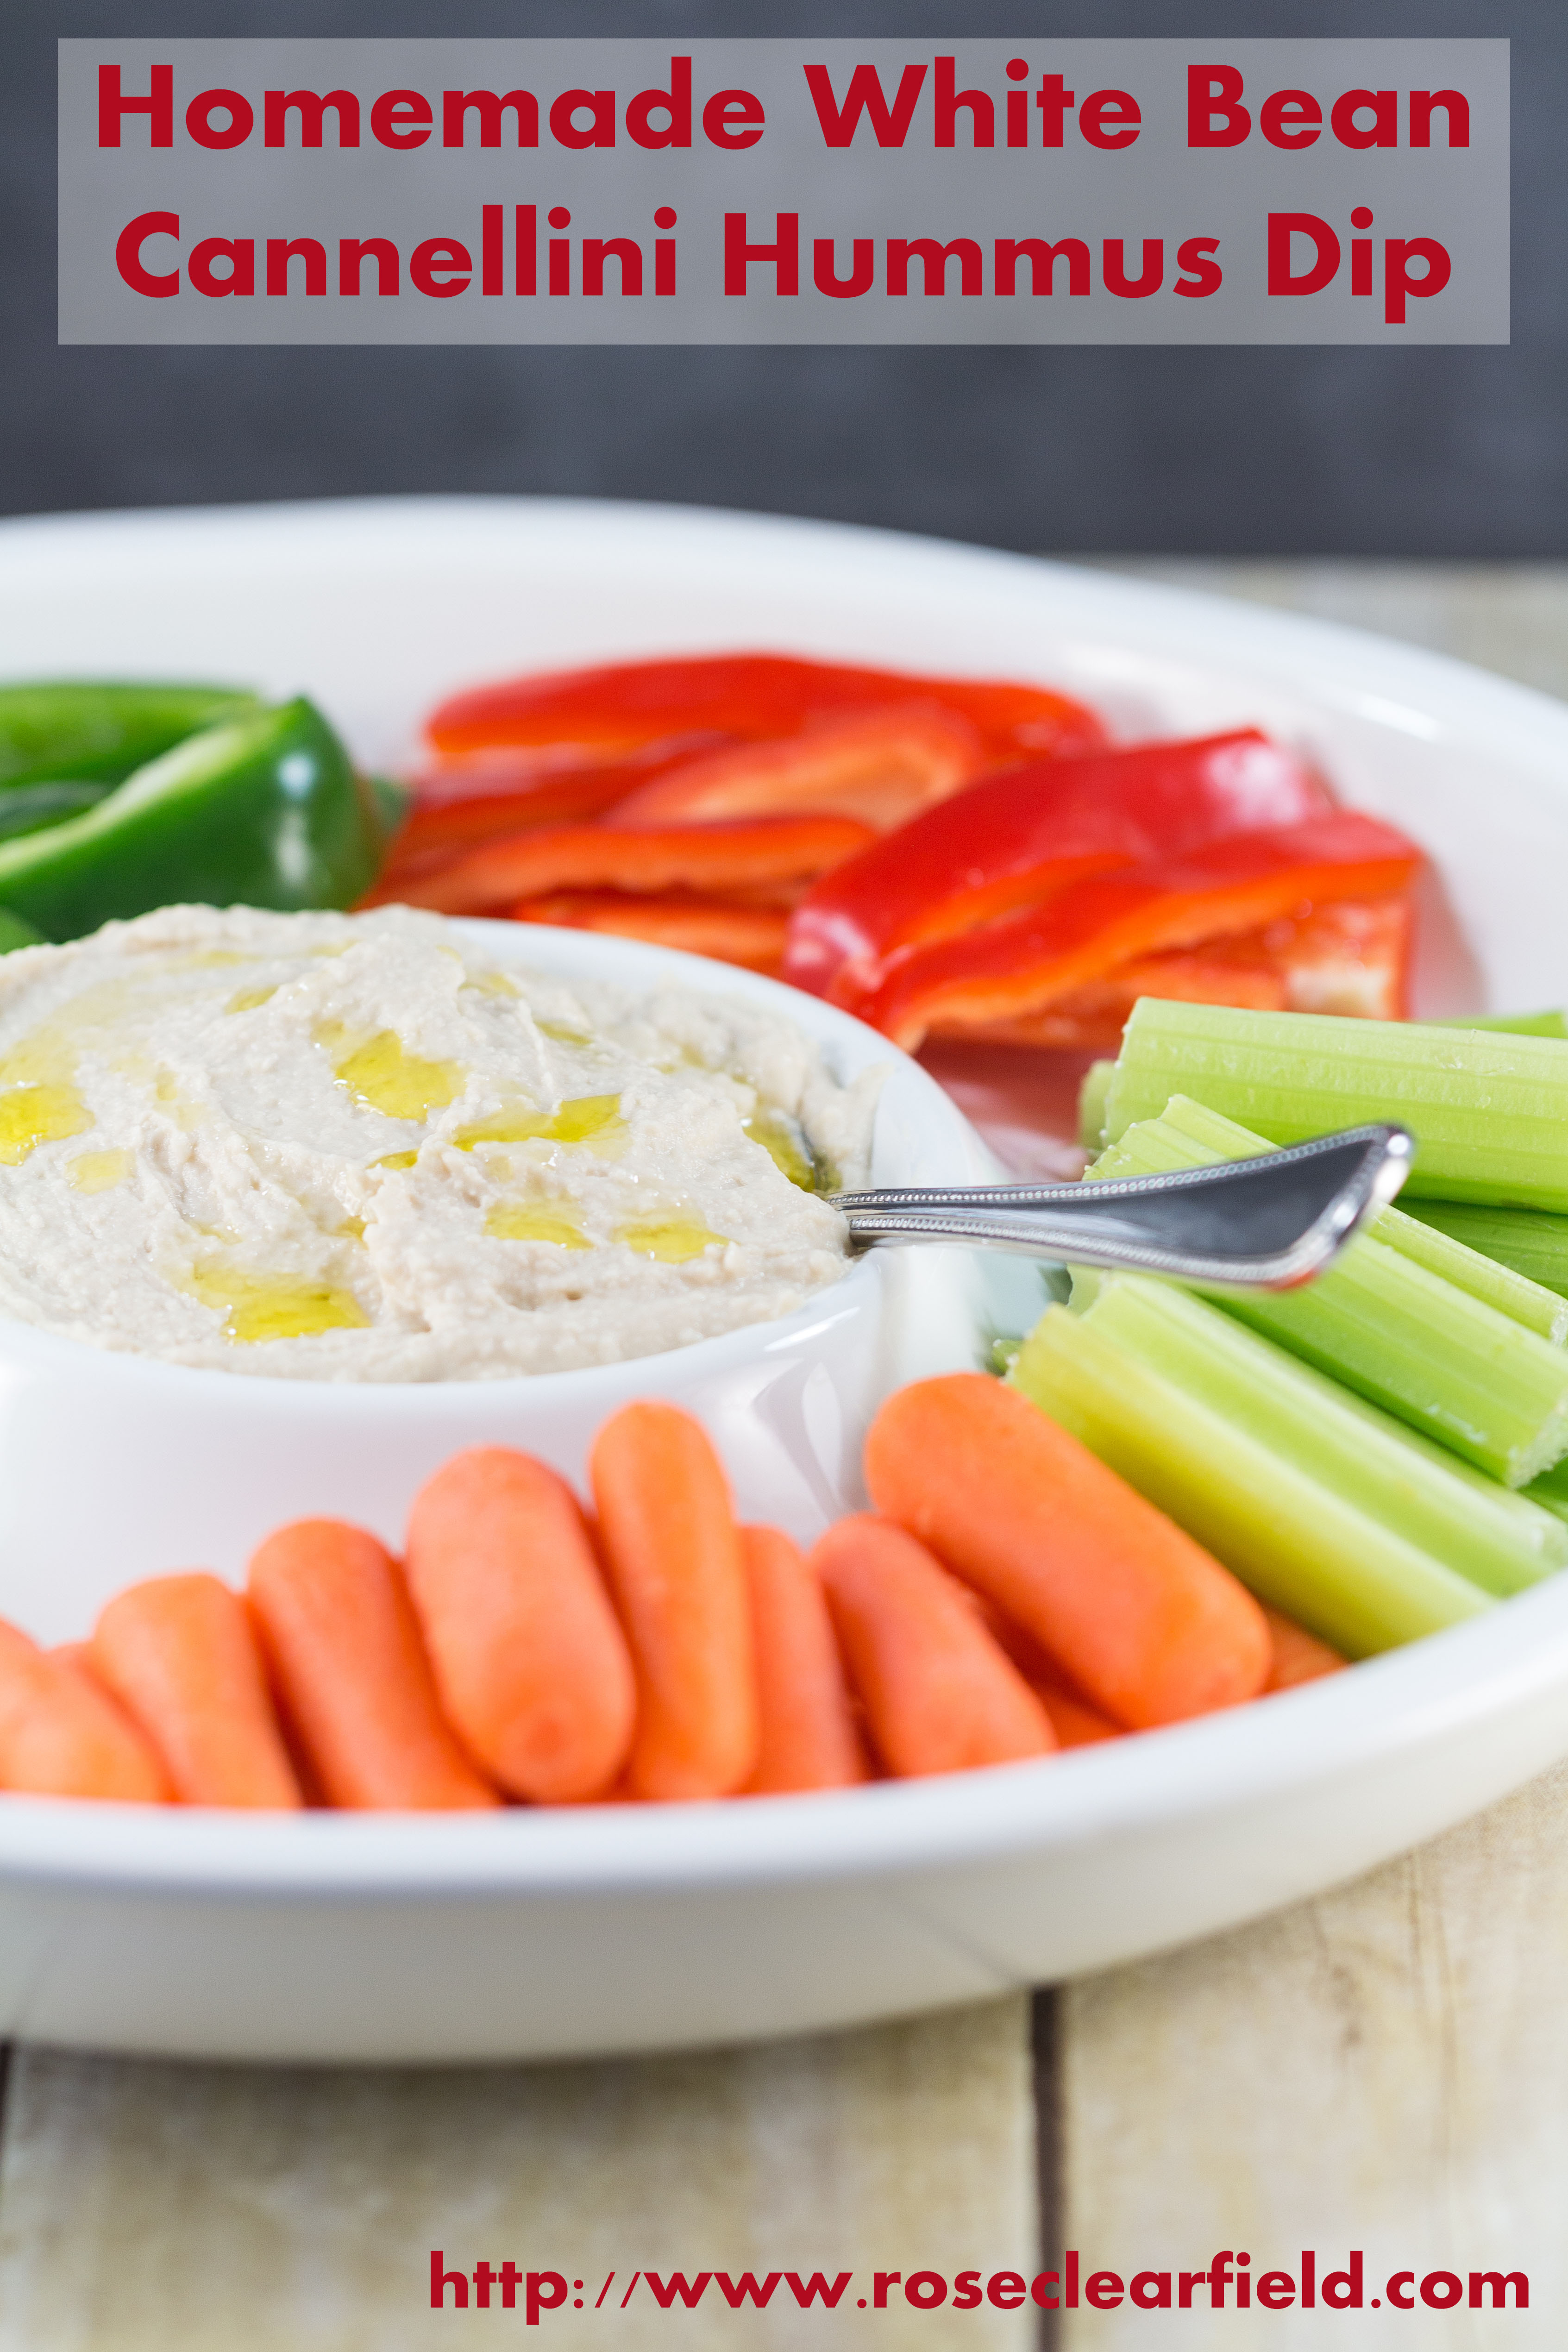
[151, 2207]
[1384, 2068]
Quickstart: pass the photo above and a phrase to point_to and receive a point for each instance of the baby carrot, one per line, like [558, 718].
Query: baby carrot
[530, 1665]
[62, 1736]
[341, 1642]
[673, 1552]
[808, 1735]
[1298, 1656]
[179, 1653]
[1074, 1721]
[1145, 1622]
[76, 1655]
[941, 1695]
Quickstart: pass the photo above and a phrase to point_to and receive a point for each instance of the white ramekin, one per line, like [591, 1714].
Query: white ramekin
[114, 1466]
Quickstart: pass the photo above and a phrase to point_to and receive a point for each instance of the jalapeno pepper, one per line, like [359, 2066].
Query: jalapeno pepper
[90, 732]
[262, 810]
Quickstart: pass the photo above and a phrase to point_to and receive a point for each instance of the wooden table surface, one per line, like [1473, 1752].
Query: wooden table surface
[1385, 2068]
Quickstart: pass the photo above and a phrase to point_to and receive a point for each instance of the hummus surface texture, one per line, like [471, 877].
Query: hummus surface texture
[354, 1148]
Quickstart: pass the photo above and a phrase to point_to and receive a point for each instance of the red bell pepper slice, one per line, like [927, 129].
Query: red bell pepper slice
[882, 766]
[1016, 839]
[724, 859]
[1020, 966]
[1350, 959]
[603, 713]
[752, 937]
[485, 798]
[444, 824]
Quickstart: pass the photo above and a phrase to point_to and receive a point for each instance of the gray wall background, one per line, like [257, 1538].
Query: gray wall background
[1436, 453]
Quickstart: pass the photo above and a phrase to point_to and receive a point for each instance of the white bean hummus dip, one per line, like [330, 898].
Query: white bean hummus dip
[354, 1148]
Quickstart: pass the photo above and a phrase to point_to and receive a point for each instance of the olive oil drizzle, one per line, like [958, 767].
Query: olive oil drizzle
[100, 1172]
[537, 1221]
[259, 1307]
[384, 1075]
[672, 1239]
[784, 1141]
[593, 1120]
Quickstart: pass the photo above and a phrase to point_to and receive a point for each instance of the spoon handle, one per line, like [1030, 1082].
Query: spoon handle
[1266, 1224]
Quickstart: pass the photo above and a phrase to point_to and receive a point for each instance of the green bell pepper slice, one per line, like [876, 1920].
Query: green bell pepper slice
[29, 808]
[264, 810]
[92, 732]
[15, 933]
[391, 799]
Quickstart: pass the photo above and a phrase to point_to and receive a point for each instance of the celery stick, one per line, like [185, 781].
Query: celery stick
[1299, 1545]
[1551, 1490]
[1489, 1112]
[1513, 1024]
[1511, 1289]
[1152, 1146]
[1444, 1361]
[1092, 1097]
[1448, 1366]
[1487, 1534]
[1513, 1293]
[1190, 1135]
[1532, 1243]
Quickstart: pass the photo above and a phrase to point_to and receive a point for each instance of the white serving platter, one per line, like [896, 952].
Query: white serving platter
[398, 1938]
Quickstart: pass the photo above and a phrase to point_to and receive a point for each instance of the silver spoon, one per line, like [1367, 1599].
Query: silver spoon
[1251, 1224]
